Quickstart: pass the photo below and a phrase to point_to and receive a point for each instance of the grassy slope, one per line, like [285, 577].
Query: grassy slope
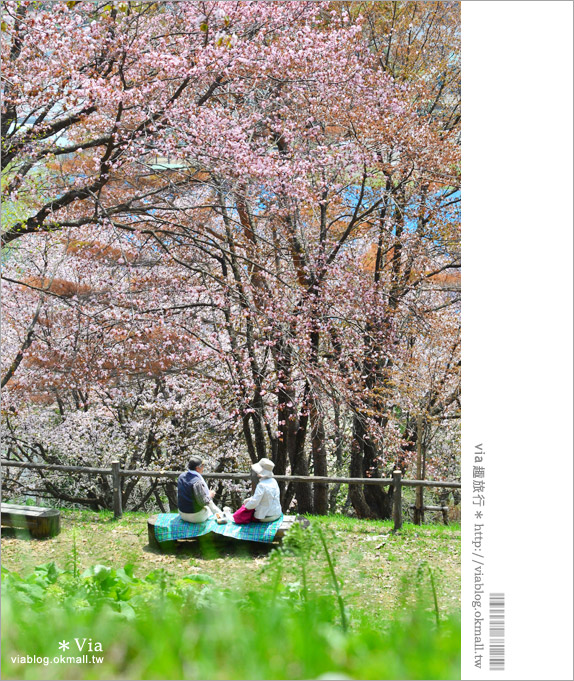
[370, 561]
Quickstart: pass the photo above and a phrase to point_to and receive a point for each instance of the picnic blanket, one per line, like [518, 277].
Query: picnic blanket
[170, 526]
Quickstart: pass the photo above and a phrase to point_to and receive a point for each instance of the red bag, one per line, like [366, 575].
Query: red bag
[243, 515]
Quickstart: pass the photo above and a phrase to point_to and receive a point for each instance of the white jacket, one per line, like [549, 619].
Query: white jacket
[265, 499]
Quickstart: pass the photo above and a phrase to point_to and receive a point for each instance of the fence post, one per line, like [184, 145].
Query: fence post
[397, 500]
[117, 489]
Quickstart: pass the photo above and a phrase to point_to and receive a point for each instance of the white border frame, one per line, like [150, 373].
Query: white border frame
[517, 326]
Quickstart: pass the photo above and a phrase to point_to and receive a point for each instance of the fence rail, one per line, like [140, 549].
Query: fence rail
[118, 473]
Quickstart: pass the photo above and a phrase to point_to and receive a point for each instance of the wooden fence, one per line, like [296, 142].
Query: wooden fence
[118, 473]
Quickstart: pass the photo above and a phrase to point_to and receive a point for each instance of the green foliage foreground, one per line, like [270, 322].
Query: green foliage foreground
[166, 627]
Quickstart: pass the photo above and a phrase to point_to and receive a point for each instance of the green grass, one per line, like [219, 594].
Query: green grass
[371, 561]
[361, 605]
[192, 629]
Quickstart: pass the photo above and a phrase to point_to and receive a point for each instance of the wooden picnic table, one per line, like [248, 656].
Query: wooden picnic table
[37, 520]
[287, 523]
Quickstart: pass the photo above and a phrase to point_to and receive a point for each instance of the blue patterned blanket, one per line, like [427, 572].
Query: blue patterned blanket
[170, 526]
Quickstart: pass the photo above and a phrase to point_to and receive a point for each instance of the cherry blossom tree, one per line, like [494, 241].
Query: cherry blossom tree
[243, 228]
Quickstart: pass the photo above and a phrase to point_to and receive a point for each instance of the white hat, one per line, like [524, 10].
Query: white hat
[264, 468]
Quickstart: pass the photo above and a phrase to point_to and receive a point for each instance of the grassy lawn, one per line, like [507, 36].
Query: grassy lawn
[371, 562]
[344, 599]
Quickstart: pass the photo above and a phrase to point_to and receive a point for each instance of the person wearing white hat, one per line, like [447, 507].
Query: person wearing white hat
[264, 504]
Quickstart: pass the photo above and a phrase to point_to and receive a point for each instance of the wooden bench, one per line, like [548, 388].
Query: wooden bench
[443, 509]
[288, 522]
[37, 521]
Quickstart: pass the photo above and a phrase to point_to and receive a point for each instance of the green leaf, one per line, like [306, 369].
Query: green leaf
[99, 572]
[33, 591]
[49, 571]
[126, 574]
[202, 579]
[127, 611]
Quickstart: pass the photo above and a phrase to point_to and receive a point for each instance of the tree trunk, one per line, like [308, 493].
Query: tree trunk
[259, 425]
[249, 438]
[334, 490]
[356, 493]
[321, 492]
[379, 500]
[419, 515]
[299, 466]
[302, 491]
[333, 494]
[369, 501]
[171, 494]
[292, 430]
[285, 413]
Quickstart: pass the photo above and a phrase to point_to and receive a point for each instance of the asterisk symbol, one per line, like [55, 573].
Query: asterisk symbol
[64, 645]
[478, 514]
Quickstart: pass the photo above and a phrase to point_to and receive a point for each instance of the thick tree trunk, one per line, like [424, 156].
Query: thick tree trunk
[356, 493]
[380, 501]
[369, 501]
[299, 466]
[302, 491]
[292, 430]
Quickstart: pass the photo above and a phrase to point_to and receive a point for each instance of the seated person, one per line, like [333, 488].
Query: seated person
[194, 499]
[264, 505]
